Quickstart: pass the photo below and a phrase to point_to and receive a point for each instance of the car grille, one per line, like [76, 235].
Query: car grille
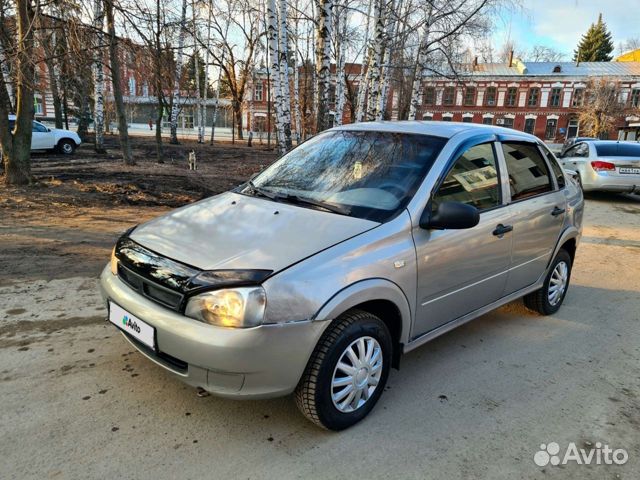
[149, 289]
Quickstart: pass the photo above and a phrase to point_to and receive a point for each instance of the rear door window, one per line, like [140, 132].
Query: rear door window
[527, 170]
[618, 150]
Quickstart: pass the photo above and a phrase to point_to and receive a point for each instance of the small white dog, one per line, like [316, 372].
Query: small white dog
[193, 164]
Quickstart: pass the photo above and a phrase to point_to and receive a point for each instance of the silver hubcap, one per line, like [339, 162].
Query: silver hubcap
[558, 283]
[66, 148]
[357, 374]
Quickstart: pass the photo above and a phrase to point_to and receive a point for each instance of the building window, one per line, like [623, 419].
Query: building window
[427, 117]
[487, 121]
[470, 96]
[534, 93]
[635, 97]
[529, 125]
[467, 119]
[429, 96]
[132, 86]
[512, 93]
[556, 93]
[578, 97]
[448, 96]
[257, 92]
[550, 131]
[507, 122]
[490, 96]
[145, 89]
[572, 129]
[448, 118]
[37, 105]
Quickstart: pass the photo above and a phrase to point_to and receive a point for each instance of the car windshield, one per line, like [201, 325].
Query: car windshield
[370, 175]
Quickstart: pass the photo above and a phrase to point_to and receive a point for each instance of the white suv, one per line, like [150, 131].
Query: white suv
[45, 138]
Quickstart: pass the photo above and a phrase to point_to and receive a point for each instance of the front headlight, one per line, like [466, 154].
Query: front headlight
[233, 307]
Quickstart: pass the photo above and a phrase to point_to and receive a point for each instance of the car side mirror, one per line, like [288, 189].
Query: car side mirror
[450, 216]
[48, 129]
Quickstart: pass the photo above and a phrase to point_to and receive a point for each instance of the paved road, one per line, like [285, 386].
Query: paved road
[78, 402]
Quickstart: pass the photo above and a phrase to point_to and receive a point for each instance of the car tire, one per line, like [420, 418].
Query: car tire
[66, 146]
[328, 406]
[549, 298]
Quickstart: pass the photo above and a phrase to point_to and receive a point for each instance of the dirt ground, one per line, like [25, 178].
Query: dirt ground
[78, 402]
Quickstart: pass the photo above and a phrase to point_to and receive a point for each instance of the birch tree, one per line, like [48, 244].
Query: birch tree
[396, 7]
[296, 80]
[324, 9]
[375, 59]
[342, 22]
[175, 107]
[274, 61]
[363, 84]
[196, 64]
[98, 76]
[283, 53]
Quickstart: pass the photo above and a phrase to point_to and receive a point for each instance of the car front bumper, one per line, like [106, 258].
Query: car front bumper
[259, 362]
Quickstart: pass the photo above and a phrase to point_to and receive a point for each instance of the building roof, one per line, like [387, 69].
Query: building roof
[631, 56]
[546, 69]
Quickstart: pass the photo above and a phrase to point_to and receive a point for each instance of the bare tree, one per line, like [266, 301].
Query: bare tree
[175, 107]
[603, 108]
[116, 82]
[542, 53]
[16, 146]
[324, 10]
[98, 76]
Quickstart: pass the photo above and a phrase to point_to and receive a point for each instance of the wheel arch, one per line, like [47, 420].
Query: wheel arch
[379, 297]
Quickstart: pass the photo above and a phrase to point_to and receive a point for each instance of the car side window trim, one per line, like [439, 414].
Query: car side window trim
[544, 152]
[462, 148]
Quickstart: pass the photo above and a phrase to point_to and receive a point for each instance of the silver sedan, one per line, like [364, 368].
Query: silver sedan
[606, 165]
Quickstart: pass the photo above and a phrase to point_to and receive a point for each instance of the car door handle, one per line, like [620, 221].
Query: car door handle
[502, 229]
[557, 211]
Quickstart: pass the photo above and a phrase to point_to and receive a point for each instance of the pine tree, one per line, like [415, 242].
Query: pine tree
[596, 45]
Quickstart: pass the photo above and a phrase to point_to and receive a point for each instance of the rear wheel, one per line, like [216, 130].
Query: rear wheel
[347, 371]
[549, 298]
[66, 146]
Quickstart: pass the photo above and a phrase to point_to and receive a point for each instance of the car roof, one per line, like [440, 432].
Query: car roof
[431, 127]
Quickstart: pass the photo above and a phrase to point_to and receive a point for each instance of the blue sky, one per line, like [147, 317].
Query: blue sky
[560, 23]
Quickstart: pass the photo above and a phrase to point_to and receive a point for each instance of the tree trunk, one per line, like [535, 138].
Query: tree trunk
[363, 83]
[98, 77]
[386, 64]
[175, 108]
[205, 94]
[375, 60]
[114, 60]
[196, 66]
[416, 88]
[50, 48]
[216, 103]
[16, 147]
[158, 81]
[274, 61]
[341, 87]
[323, 61]
[284, 77]
[296, 82]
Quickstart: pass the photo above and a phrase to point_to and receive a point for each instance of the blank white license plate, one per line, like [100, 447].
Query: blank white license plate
[132, 325]
[631, 170]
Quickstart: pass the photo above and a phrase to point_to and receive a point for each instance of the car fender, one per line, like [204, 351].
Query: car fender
[567, 234]
[365, 291]
[66, 135]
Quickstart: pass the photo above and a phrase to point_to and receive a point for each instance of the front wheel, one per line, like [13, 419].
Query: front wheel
[549, 298]
[66, 147]
[347, 371]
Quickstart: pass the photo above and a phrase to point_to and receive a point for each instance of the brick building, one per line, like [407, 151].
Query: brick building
[542, 98]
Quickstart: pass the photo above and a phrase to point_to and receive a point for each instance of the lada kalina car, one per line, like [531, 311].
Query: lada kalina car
[356, 247]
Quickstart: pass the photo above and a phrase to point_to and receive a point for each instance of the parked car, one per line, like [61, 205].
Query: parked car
[359, 245]
[607, 165]
[572, 141]
[45, 138]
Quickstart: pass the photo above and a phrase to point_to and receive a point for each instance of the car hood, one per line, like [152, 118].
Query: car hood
[233, 231]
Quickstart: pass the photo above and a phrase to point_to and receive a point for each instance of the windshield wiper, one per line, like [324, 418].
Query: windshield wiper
[327, 206]
[263, 192]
